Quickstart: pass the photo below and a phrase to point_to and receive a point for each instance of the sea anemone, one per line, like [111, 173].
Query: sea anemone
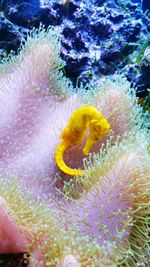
[32, 93]
[71, 247]
[14, 218]
[115, 203]
[25, 223]
[12, 240]
[36, 102]
[71, 261]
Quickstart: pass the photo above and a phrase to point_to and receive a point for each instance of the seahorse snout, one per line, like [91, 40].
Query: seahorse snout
[89, 143]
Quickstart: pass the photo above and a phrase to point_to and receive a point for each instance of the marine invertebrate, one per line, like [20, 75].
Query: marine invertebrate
[74, 248]
[74, 132]
[28, 97]
[12, 240]
[70, 260]
[33, 93]
[26, 224]
[115, 203]
[15, 223]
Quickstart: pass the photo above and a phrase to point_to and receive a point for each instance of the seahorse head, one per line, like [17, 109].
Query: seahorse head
[98, 128]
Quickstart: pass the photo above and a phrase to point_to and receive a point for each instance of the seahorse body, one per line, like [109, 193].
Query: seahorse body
[74, 133]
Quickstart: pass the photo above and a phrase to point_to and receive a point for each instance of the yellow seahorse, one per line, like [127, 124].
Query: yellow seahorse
[74, 133]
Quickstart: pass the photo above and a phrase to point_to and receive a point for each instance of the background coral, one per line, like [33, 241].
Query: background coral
[98, 38]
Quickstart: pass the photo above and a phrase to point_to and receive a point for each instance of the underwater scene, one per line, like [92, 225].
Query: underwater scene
[75, 133]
